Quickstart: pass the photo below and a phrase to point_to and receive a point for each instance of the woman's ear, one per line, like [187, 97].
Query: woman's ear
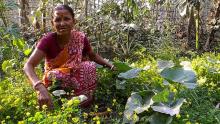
[74, 21]
[51, 22]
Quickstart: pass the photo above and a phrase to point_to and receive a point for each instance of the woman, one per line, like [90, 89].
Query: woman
[65, 51]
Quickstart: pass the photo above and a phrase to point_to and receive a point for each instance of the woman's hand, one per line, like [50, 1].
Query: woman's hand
[44, 97]
[113, 68]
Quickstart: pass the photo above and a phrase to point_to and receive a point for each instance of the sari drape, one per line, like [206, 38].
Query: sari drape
[68, 72]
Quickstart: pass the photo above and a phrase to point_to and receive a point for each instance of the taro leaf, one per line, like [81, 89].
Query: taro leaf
[120, 84]
[130, 74]
[158, 118]
[180, 75]
[99, 66]
[132, 103]
[162, 64]
[146, 102]
[81, 98]
[171, 110]
[58, 92]
[186, 65]
[162, 96]
[121, 67]
[137, 104]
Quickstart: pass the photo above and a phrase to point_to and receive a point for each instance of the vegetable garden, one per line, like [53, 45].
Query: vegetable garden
[163, 75]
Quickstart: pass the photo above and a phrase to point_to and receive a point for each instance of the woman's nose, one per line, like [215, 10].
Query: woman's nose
[62, 23]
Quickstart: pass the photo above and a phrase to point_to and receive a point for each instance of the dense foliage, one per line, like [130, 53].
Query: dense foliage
[184, 99]
[156, 79]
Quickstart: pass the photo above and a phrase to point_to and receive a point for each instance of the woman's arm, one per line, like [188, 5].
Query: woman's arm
[98, 59]
[33, 61]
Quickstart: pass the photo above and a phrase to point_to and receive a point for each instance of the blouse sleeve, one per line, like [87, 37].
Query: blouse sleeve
[87, 47]
[42, 44]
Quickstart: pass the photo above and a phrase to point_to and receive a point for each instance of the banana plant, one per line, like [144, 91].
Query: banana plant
[189, 8]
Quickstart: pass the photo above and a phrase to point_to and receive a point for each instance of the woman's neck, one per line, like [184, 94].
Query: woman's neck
[63, 39]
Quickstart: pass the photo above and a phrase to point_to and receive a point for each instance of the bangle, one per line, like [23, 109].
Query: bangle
[36, 84]
[112, 67]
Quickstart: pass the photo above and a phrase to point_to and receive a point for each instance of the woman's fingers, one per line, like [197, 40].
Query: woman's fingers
[45, 99]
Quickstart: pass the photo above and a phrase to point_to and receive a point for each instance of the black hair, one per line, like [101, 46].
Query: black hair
[66, 7]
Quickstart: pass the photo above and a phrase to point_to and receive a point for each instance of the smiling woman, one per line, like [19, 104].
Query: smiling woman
[68, 61]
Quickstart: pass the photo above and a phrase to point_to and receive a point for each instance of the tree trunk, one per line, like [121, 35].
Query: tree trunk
[43, 20]
[23, 12]
[191, 29]
[86, 8]
[65, 2]
[212, 34]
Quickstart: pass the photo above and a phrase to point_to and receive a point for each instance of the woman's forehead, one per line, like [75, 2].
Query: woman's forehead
[61, 12]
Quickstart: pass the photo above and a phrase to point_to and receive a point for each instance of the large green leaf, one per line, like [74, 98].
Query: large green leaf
[183, 75]
[138, 102]
[162, 64]
[172, 110]
[133, 73]
[158, 118]
[121, 66]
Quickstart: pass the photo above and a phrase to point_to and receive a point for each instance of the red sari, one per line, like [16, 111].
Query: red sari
[69, 72]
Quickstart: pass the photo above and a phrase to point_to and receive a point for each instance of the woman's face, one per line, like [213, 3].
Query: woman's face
[62, 22]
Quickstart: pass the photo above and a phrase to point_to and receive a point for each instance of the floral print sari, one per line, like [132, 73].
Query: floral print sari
[68, 72]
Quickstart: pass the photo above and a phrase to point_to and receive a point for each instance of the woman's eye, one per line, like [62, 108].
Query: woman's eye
[67, 18]
[57, 20]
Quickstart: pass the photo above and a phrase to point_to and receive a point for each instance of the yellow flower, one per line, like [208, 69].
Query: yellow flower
[8, 117]
[96, 106]
[174, 90]
[20, 122]
[178, 116]
[85, 115]
[3, 122]
[75, 120]
[44, 107]
[98, 122]
[135, 117]
[96, 118]
[114, 100]
[109, 110]
[28, 114]
[68, 93]
[188, 122]
[37, 107]
[187, 116]
[120, 113]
